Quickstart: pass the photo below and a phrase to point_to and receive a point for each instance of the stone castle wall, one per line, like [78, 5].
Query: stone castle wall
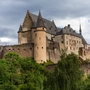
[53, 51]
[25, 50]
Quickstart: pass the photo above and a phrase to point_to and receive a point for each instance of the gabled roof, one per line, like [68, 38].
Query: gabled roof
[27, 20]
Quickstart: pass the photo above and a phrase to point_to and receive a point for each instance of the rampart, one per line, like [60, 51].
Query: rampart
[24, 50]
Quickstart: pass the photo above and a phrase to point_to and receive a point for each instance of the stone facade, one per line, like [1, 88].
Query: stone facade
[42, 40]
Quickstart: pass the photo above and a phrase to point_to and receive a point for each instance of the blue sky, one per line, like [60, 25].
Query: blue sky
[63, 12]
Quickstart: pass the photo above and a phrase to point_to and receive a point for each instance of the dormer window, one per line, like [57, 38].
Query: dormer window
[50, 28]
[70, 30]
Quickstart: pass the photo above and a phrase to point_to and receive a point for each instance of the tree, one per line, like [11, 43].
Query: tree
[67, 74]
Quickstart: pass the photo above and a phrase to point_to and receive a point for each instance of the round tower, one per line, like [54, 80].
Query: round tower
[40, 41]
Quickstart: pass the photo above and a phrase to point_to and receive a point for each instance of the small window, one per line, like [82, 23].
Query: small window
[37, 47]
[42, 47]
[62, 42]
[67, 42]
[30, 48]
[24, 49]
[73, 48]
[62, 37]
[39, 38]
[18, 49]
[35, 34]
[13, 49]
[77, 41]
[50, 28]
[41, 61]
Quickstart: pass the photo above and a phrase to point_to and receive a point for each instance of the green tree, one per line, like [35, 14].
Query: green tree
[67, 74]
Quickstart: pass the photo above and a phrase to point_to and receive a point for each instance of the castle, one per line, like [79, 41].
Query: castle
[42, 40]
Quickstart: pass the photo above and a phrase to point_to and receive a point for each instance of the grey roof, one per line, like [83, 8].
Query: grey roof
[70, 31]
[50, 25]
[83, 40]
[40, 22]
[20, 28]
[52, 29]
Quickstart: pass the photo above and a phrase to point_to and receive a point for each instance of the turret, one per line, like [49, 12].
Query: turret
[40, 40]
[19, 34]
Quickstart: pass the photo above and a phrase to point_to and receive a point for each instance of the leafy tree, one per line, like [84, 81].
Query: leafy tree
[67, 74]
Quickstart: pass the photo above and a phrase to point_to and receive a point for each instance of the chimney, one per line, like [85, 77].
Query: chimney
[68, 25]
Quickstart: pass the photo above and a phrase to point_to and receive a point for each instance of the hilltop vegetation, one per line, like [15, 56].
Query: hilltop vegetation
[17, 73]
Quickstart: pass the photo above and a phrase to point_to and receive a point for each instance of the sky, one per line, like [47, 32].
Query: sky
[63, 12]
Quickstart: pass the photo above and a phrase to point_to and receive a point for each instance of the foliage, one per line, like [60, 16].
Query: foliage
[17, 73]
[66, 75]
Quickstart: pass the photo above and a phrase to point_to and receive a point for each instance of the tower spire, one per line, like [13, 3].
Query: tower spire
[40, 22]
[80, 30]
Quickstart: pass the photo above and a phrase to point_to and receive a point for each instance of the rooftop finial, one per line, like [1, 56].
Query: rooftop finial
[39, 10]
[80, 30]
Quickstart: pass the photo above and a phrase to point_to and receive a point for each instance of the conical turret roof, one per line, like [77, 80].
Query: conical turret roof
[20, 29]
[40, 22]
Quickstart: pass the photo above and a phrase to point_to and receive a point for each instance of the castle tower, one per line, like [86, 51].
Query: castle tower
[40, 40]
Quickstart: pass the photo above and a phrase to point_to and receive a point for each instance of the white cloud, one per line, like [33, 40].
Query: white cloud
[63, 12]
[7, 41]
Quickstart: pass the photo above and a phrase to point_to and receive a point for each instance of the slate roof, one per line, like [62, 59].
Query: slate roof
[20, 28]
[40, 22]
[70, 31]
[52, 29]
[50, 25]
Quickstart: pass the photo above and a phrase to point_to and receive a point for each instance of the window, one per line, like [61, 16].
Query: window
[30, 48]
[35, 34]
[70, 48]
[84, 53]
[42, 47]
[50, 28]
[77, 41]
[62, 37]
[39, 38]
[62, 42]
[18, 49]
[67, 42]
[37, 47]
[24, 49]
[73, 48]
[66, 37]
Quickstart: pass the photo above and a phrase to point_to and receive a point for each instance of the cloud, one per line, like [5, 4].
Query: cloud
[63, 12]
